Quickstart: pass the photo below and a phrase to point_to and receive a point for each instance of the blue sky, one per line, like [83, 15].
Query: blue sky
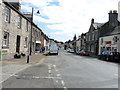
[61, 19]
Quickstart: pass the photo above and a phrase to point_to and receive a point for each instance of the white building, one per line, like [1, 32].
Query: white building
[110, 42]
[119, 10]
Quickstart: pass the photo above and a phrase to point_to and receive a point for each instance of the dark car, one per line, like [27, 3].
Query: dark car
[84, 53]
[109, 55]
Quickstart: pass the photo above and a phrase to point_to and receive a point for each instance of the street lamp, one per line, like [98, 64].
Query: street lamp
[31, 30]
[30, 50]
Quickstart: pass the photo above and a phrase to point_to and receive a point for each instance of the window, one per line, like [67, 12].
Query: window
[93, 35]
[26, 25]
[5, 41]
[89, 37]
[7, 14]
[26, 42]
[101, 41]
[33, 32]
[19, 22]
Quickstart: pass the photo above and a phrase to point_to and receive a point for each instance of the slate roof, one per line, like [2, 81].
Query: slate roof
[116, 30]
[97, 25]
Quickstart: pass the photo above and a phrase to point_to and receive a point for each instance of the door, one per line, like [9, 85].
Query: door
[18, 44]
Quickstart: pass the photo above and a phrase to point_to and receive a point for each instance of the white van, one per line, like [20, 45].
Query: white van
[53, 48]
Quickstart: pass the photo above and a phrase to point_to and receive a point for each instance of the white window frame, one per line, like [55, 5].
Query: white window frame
[19, 22]
[26, 42]
[7, 14]
[5, 41]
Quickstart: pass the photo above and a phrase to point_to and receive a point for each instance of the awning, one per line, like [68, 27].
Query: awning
[38, 41]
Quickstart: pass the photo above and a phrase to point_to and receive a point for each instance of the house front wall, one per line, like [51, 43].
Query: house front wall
[119, 10]
[78, 45]
[14, 32]
[0, 25]
[109, 43]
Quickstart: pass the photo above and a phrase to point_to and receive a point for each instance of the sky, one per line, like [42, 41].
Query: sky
[62, 19]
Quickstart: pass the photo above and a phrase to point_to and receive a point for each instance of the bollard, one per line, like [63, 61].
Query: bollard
[27, 58]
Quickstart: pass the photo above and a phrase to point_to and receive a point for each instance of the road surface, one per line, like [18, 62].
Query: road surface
[66, 70]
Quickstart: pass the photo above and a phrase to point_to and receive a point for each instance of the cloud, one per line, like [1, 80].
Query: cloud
[72, 16]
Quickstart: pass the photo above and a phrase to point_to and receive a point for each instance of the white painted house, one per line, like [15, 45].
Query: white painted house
[119, 10]
[110, 42]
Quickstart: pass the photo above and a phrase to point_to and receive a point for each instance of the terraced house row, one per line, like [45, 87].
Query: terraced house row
[100, 36]
[17, 32]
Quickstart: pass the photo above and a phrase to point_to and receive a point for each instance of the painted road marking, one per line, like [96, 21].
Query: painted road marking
[15, 73]
[49, 71]
[58, 75]
[63, 83]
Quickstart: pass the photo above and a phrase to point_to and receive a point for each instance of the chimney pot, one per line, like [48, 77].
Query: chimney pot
[114, 11]
[92, 21]
[110, 11]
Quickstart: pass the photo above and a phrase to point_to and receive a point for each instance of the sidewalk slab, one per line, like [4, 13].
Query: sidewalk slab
[11, 67]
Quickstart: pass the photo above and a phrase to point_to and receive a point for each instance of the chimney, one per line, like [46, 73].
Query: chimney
[113, 20]
[113, 15]
[14, 3]
[92, 20]
[28, 15]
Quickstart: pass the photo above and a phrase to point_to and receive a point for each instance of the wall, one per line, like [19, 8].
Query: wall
[110, 43]
[0, 24]
[119, 10]
[13, 31]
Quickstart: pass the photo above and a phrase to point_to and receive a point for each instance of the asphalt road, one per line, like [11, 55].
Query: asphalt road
[67, 70]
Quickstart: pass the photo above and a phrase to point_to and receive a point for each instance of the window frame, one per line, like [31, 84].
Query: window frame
[7, 13]
[19, 22]
[5, 42]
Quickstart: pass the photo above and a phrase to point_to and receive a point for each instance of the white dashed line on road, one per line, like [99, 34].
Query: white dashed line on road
[49, 71]
[63, 83]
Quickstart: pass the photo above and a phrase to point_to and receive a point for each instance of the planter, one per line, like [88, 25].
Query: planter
[22, 54]
[17, 56]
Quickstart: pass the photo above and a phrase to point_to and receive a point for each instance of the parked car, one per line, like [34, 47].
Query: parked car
[68, 50]
[84, 53]
[78, 52]
[71, 51]
[109, 55]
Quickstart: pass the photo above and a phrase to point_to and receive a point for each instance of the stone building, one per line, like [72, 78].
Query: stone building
[92, 38]
[15, 32]
[98, 30]
[80, 42]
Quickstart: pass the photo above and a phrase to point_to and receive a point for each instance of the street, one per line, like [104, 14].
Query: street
[66, 70]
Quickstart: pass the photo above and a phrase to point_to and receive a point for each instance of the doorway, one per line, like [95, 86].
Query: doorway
[18, 44]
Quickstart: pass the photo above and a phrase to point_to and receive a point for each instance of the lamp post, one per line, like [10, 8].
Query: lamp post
[30, 42]
[31, 32]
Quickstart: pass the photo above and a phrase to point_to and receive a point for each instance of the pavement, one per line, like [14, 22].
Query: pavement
[11, 67]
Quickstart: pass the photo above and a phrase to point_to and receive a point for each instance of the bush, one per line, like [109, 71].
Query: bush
[22, 54]
[17, 56]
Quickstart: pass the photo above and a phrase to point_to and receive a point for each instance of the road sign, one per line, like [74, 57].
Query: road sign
[30, 41]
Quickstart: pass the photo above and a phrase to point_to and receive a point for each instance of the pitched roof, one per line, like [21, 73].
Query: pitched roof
[116, 30]
[97, 25]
